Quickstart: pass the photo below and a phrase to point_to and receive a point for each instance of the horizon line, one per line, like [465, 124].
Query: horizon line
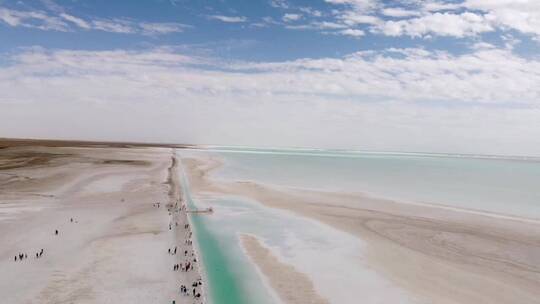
[79, 142]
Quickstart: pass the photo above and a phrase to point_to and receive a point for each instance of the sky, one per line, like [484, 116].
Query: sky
[454, 76]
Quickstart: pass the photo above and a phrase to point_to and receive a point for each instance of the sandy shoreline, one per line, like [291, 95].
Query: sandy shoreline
[297, 289]
[437, 254]
[179, 218]
[115, 250]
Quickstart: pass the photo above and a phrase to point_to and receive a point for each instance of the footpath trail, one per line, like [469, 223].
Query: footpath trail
[184, 260]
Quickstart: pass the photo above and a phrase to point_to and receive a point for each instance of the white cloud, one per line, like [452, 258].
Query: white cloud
[324, 25]
[437, 6]
[291, 17]
[428, 18]
[399, 12]
[510, 41]
[32, 19]
[396, 94]
[162, 28]
[442, 24]
[317, 25]
[310, 11]
[279, 4]
[522, 15]
[270, 20]
[355, 12]
[113, 26]
[441, 18]
[352, 32]
[66, 22]
[77, 21]
[484, 76]
[10, 17]
[52, 6]
[482, 46]
[228, 19]
[357, 4]
[353, 18]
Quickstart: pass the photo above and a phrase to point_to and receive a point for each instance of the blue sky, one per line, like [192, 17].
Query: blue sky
[256, 30]
[416, 75]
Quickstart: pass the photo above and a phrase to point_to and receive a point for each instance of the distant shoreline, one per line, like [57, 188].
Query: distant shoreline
[10, 142]
[357, 153]
[13, 142]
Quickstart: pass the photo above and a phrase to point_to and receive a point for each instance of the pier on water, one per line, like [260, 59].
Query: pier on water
[201, 211]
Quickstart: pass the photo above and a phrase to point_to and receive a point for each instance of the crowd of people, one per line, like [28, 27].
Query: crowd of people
[188, 259]
[23, 256]
[184, 290]
[186, 262]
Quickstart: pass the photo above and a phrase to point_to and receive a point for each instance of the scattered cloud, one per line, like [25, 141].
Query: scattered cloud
[429, 18]
[32, 19]
[357, 5]
[522, 16]
[487, 75]
[162, 28]
[310, 11]
[228, 19]
[414, 88]
[483, 46]
[441, 24]
[437, 6]
[353, 92]
[269, 20]
[352, 32]
[291, 17]
[66, 23]
[510, 41]
[399, 12]
[440, 18]
[52, 6]
[114, 26]
[325, 25]
[279, 4]
[354, 18]
[77, 21]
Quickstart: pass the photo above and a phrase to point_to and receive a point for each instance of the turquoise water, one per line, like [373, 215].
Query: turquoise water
[494, 185]
[331, 258]
[326, 255]
[502, 186]
[229, 277]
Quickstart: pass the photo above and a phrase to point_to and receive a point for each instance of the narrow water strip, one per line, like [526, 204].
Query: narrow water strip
[222, 286]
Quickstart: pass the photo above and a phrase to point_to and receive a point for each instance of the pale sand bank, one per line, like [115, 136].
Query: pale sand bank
[115, 250]
[439, 255]
[297, 289]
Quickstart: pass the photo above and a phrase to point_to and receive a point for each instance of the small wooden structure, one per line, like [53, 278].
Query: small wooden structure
[207, 210]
